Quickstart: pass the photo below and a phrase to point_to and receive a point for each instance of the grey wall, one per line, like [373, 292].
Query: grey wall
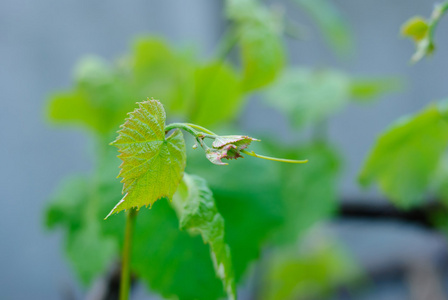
[40, 42]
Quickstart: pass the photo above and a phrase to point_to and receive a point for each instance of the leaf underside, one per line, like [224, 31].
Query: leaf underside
[198, 214]
[152, 165]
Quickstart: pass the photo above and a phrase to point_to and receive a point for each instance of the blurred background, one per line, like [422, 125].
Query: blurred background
[394, 254]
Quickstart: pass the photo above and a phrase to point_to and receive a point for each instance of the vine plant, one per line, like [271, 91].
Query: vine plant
[409, 159]
[153, 166]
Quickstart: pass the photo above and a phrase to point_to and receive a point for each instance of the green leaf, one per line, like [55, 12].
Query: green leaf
[331, 22]
[405, 157]
[366, 89]
[262, 52]
[162, 73]
[99, 101]
[308, 96]
[198, 214]
[217, 94]
[422, 31]
[309, 194]
[250, 205]
[152, 165]
[415, 28]
[74, 209]
[171, 261]
[314, 271]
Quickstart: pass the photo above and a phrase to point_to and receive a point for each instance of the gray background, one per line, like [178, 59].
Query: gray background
[41, 41]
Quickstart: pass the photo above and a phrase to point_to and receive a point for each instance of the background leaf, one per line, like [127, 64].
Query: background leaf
[308, 96]
[217, 94]
[331, 22]
[406, 155]
[259, 31]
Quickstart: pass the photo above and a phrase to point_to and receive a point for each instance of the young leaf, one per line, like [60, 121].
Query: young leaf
[422, 31]
[198, 213]
[227, 147]
[405, 157]
[152, 165]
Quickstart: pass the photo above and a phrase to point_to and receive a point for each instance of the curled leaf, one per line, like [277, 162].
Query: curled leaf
[227, 147]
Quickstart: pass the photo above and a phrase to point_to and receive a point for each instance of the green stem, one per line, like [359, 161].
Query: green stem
[183, 126]
[126, 260]
[201, 128]
[291, 161]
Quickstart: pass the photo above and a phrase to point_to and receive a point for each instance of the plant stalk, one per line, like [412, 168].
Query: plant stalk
[126, 259]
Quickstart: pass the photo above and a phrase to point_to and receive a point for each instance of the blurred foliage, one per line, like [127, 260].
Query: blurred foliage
[308, 96]
[332, 23]
[405, 158]
[422, 31]
[261, 202]
[315, 270]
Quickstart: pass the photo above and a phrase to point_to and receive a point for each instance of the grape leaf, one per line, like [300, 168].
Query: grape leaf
[73, 208]
[99, 100]
[227, 147]
[405, 157]
[152, 165]
[171, 261]
[250, 205]
[367, 89]
[314, 271]
[259, 32]
[309, 193]
[308, 96]
[198, 214]
[163, 73]
[332, 24]
[217, 94]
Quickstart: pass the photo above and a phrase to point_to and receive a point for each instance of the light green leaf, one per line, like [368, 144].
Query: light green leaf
[367, 89]
[198, 214]
[99, 100]
[73, 208]
[314, 271]
[332, 24]
[308, 96]
[152, 165]
[259, 30]
[163, 73]
[217, 94]
[422, 31]
[405, 157]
